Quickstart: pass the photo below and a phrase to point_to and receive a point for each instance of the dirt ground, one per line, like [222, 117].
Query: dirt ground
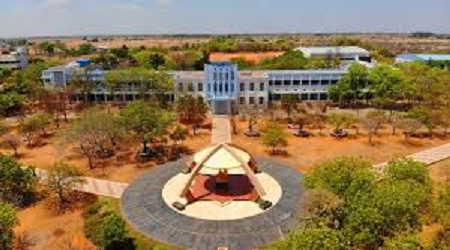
[48, 231]
[122, 168]
[304, 153]
[252, 57]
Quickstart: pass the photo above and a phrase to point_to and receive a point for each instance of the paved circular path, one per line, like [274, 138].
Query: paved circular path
[143, 206]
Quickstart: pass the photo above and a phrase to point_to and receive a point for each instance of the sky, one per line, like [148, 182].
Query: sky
[90, 17]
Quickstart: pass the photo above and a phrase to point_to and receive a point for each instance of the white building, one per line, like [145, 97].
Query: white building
[14, 60]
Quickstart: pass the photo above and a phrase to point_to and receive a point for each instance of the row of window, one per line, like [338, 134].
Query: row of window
[251, 100]
[190, 87]
[252, 86]
[217, 76]
[303, 82]
[304, 96]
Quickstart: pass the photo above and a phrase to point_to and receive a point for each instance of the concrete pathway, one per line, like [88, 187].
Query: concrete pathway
[428, 157]
[94, 186]
[221, 131]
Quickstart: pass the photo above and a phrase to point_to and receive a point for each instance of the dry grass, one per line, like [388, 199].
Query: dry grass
[304, 153]
[48, 231]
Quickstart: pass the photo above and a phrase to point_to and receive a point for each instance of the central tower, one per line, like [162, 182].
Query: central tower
[221, 80]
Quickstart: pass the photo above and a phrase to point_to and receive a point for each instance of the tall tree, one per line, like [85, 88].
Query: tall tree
[290, 104]
[275, 137]
[192, 111]
[62, 179]
[145, 122]
[17, 184]
[352, 87]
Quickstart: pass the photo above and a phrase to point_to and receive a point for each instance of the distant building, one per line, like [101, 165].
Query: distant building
[13, 59]
[344, 53]
[421, 58]
[60, 76]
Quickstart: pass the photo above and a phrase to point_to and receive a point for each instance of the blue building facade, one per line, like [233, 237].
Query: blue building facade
[221, 80]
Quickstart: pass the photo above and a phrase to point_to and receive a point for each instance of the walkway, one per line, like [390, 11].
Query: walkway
[428, 157]
[94, 186]
[221, 132]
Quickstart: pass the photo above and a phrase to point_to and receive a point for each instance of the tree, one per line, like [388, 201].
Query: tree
[62, 179]
[289, 103]
[145, 122]
[344, 176]
[17, 183]
[372, 122]
[252, 113]
[341, 120]
[3, 128]
[275, 137]
[113, 234]
[11, 103]
[42, 121]
[8, 220]
[191, 111]
[29, 128]
[351, 87]
[96, 133]
[402, 242]
[12, 141]
[179, 134]
[320, 207]
[386, 83]
[425, 116]
[409, 127]
[312, 239]
[409, 170]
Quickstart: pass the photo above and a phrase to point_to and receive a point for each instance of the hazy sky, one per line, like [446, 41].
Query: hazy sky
[78, 17]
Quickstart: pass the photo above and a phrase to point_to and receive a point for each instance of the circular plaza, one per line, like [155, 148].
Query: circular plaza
[220, 197]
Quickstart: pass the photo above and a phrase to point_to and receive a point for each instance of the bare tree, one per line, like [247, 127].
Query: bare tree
[13, 142]
[409, 127]
[62, 179]
[23, 241]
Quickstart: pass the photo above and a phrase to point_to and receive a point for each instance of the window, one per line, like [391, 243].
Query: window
[305, 97]
[226, 88]
[261, 86]
[315, 82]
[191, 87]
[276, 97]
[200, 86]
[180, 87]
[251, 100]
[252, 87]
[287, 83]
[242, 86]
[278, 83]
[305, 82]
[270, 83]
[296, 82]
[261, 100]
[242, 100]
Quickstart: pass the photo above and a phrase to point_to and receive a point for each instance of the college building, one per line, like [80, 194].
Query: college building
[223, 85]
[16, 59]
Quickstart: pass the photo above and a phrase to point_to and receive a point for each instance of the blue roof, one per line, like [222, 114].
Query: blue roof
[424, 57]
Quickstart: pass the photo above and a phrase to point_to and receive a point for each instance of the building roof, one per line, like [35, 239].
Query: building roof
[222, 159]
[333, 51]
[424, 57]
